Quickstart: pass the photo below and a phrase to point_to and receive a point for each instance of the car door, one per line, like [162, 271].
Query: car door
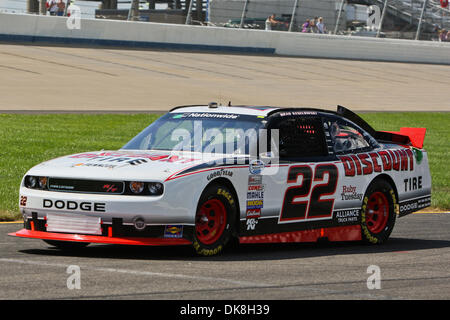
[301, 192]
[350, 144]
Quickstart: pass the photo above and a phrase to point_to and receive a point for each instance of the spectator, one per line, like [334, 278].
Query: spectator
[271, 22]
[320, 26]
[53, 7]
[61, 7]
[306, 26]
[443, 35]
[313, 25]
[435, 34]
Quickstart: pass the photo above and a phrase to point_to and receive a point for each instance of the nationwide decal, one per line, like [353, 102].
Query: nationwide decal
[256, 166]
[220, 173]
[209, 115]
[381, 161]
[173, 231]
[349, 193]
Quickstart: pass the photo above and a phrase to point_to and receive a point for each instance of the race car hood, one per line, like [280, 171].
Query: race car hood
[123, 165]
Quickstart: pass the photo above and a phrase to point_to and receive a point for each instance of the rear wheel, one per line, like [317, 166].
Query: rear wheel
[378, 212]
[214, 220]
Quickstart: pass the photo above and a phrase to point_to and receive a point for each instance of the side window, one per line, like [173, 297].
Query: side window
[301, 137]
[345, 137]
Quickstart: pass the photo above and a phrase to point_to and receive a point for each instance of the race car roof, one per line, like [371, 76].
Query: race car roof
[240, 109]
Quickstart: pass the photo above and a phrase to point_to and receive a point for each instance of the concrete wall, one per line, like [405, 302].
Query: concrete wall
[46, 29]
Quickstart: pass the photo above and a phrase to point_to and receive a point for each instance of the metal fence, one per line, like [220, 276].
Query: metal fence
[407, 19]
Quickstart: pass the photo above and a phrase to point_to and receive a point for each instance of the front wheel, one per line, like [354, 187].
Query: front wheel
[214, 225]
[378, 212]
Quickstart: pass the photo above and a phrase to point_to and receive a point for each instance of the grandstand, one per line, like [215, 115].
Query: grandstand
[409, 12]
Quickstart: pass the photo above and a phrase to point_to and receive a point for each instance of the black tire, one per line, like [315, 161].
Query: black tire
[378, 212]
[212, 233]
[67, 245]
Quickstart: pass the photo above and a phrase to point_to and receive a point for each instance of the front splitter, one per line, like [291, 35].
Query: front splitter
[24, 233]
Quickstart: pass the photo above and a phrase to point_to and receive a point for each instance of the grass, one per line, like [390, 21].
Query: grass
[437, 144]
[26, 140]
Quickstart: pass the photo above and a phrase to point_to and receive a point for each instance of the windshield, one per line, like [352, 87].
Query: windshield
[200, 132]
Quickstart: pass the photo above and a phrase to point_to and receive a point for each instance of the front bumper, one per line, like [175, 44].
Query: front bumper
[115, 233]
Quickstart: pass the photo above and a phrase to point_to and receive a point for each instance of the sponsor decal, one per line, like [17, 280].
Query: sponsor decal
[349, 193]
[255, 195]
[255, 204]
[253, 213]
[255, 200]
[110, 188]
[173, 231]
[220, 173]
[297, 113]
[413, 183]
[129, 159]
[74, 205]
[344, 216]
[208, 115]
[226, 194]
[418, 154]
[381, 161]
[255, 179]
[414, 205]
[97, 165]
[23, 201]
[256, 166]
[251, 223]
[252, 218]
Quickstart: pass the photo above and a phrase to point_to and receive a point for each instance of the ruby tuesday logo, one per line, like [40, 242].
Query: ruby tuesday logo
[367, 163]
[349, 193]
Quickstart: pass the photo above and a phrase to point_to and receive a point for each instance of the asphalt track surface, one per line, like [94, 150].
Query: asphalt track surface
[413, 264]
[36, 78]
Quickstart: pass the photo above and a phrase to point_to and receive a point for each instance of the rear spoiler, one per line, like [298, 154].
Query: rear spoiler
[406, 136]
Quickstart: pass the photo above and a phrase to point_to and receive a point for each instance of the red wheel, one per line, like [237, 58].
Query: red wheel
[214, 221]
[378, 212]
[210, 221]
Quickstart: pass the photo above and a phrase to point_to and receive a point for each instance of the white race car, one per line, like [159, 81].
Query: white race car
[203, 175]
